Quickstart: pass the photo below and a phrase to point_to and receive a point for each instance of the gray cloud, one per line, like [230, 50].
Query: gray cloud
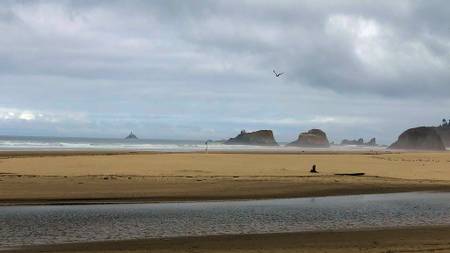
[175, 66]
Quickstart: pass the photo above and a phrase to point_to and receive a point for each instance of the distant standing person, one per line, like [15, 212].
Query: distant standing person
[313, 169]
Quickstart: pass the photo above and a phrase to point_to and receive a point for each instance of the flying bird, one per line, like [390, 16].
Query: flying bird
[277, 74]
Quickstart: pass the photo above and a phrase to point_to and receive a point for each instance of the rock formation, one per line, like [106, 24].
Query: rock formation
[131, 136]
[260, 138]
[312, 138]
[444, 132]
[359, 142]
[422, 138]
[372, 142]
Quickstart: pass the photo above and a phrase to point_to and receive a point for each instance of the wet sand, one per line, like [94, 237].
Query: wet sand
[52, 177]
[424, 239]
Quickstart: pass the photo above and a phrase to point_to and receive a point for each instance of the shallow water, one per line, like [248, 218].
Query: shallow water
[31, 225]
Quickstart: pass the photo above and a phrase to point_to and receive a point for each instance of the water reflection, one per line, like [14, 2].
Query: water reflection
[28, 225]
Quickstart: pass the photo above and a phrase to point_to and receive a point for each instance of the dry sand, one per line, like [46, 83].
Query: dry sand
[425, 239]
[190, 176]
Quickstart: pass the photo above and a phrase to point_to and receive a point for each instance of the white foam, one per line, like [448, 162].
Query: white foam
[172, 146]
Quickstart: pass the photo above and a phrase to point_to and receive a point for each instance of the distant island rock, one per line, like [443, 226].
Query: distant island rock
[312, 138]
[260, 138]
[359, 142]
[131, 136]
[372, 142]
[420, 138]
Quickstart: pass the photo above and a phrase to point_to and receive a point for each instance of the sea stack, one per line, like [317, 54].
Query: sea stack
[131, 136]
[420, 138]
[372, 142]
[359, 142]
[260, 138]
[313, 138]
[444, 132]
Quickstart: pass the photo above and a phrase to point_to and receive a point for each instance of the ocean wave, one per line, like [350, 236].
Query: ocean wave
[149, 145]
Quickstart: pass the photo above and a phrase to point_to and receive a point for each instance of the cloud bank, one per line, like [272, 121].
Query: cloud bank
[203, 69]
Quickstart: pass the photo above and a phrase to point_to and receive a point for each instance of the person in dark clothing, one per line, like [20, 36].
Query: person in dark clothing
[313, 169]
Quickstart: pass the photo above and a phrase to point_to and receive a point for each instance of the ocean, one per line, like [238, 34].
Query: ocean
[29, 143]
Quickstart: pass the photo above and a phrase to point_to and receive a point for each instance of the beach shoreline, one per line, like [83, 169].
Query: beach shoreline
[104, 177]
[53, 190]
[282, 151]
[74, 178]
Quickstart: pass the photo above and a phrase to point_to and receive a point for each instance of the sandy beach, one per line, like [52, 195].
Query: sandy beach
[74, 177]
[82, 177]
[89, 176]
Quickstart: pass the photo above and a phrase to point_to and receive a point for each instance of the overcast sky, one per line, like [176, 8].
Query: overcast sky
[203, 69]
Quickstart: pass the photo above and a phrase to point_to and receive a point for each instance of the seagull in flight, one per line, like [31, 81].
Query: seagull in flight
[277, 74]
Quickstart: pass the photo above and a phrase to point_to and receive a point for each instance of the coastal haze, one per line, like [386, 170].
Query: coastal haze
[224, 126]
